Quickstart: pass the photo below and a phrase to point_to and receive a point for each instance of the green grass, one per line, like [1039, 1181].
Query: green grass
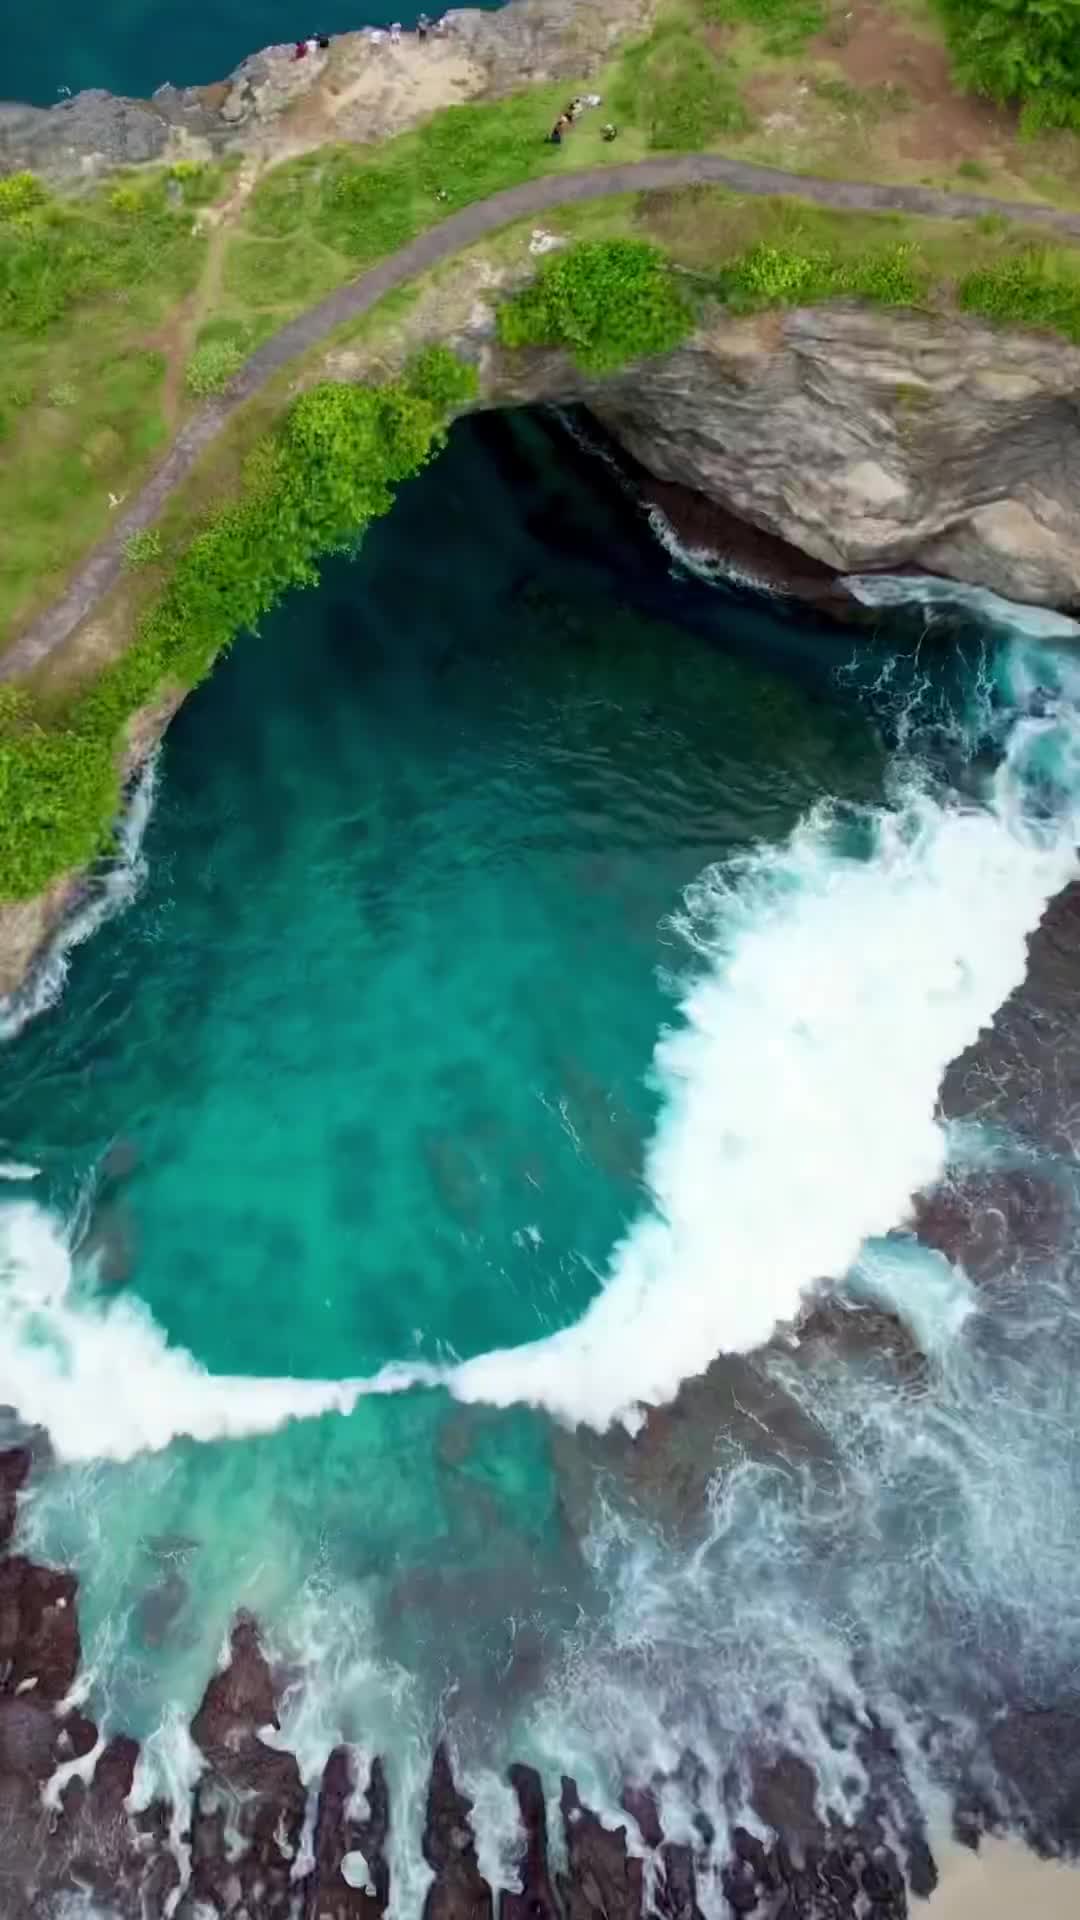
[673, 86]
[84, 284]
[785, 25]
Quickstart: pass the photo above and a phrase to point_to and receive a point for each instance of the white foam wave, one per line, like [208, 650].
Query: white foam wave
[801, 1085]
[936, 594]
[18, 1170]
[102, 1378]
[703, 562]
[113, 886]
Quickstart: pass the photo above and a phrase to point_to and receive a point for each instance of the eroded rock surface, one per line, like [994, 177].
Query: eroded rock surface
[868, 439]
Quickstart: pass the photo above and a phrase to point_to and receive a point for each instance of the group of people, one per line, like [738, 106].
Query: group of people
[425, 26]
[574, 112]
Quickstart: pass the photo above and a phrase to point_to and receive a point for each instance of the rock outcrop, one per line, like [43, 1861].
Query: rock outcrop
[483, 54]
[867, 438]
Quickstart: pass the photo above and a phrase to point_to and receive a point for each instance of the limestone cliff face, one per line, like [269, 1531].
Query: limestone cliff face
[866, 438]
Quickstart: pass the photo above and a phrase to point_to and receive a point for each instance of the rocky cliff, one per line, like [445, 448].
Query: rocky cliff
[867, 438]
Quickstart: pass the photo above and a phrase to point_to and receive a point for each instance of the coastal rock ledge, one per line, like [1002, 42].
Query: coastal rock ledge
[868, 439]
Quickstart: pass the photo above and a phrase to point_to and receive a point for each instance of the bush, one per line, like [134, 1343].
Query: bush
[213, 364]
[605, 301]
[1026, 51]
[1036, 288]
[440, 378]
[789, 276]
[20, 193]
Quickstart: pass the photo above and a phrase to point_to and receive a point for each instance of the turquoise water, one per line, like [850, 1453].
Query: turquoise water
[371, 1052]
[369, 1073]
[131, 46]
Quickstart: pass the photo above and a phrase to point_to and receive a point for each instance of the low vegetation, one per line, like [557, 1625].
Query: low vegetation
[677, 90]
[86, 284]
[785, 25]
[311, 487]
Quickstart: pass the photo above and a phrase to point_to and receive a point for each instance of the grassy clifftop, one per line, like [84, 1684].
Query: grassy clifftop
[122, 308]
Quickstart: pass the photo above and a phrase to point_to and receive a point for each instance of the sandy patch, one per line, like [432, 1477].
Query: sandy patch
[1000, 1882]
[369, 92]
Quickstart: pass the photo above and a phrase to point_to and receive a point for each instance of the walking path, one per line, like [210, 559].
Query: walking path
[105, 564]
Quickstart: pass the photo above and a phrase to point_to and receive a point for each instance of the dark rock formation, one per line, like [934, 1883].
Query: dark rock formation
[329, 1896]
[249, 1805]
[459, 1890]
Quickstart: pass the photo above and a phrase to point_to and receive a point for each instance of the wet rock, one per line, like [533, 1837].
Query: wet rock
[987, 1221]
[1023, 1073]
[328, 1895]
[1036, 1751]
[536, 1900]
[28, 1736]
[39, 1629]
[783, 1795]
[676, 1894]
[640, 1804]
[14, 1468]
[459, 1890]
[250, 1803]
[602, 1878]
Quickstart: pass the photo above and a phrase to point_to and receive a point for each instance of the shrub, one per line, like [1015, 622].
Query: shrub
[440, 378]
[1036, 288]
[1026, 51]
[605, 301]
[213, 364]
[143, 548]
[789, 276]
[20, 193]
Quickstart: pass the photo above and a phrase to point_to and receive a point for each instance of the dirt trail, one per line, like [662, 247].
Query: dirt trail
[105, 564]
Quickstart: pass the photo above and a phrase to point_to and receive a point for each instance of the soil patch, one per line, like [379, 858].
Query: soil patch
[875, 49]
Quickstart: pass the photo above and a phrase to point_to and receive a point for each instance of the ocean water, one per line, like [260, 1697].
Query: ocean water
[133, 46]
[544, 968]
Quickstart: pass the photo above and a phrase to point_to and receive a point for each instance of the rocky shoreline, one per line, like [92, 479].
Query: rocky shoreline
[65, 1796]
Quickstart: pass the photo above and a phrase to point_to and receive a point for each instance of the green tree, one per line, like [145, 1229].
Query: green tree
[1026, 51]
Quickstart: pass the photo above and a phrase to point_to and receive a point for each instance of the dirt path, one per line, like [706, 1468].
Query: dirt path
[105, 564]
